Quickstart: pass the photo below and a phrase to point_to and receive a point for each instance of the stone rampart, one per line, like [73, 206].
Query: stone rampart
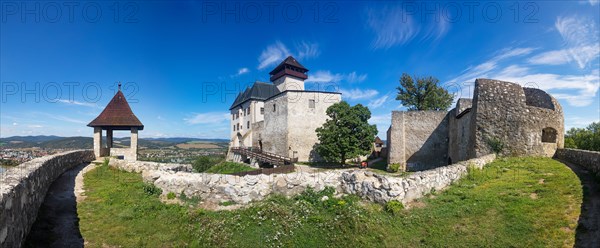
[23, 189]
[588, 159]
[218, 188]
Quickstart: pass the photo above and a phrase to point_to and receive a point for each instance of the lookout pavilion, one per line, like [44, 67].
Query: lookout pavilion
[116, 116]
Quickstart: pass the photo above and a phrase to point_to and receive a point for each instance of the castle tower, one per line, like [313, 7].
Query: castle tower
[289, 75]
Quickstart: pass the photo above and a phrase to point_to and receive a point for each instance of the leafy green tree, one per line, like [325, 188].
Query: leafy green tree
[584, 138]
[346, 134]
[202, 163]
[423, 93]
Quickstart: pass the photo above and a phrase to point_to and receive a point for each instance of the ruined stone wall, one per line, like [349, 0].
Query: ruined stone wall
[459, 135]
[275, 125]
[419, 139]
[588, 159]
[23, 189]
[219, 188]
[257, 133]
[303, 120]
[516, 117]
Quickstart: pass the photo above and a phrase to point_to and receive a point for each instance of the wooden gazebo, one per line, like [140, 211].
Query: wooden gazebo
[116, 116]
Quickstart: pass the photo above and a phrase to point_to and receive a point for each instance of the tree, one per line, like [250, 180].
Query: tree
[584, 138]
[423, 93]
[346, 134]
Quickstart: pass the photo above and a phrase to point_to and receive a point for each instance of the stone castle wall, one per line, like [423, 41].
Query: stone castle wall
[516, 116]
[290, 129]
[419, 139]
[23, 189]
[588, 159]
[303, 122]
[219, 188]
[459, 135]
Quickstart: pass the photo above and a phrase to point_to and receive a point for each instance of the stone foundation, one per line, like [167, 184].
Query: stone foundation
[23, 189]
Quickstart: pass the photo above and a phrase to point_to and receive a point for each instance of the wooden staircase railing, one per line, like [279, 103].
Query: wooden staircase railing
[263, 156]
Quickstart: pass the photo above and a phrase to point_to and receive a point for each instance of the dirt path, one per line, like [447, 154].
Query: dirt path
[588, 229]
[57, 224]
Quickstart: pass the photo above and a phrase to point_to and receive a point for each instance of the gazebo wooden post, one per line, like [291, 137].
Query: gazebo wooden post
[109, 138]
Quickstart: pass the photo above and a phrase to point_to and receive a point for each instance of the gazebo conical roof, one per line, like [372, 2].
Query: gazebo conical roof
[117, 115]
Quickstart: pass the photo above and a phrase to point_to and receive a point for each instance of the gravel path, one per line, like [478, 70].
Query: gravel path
[57, 224]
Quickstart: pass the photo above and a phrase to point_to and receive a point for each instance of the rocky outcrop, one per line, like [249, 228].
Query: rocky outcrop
[23, 189]
[588, 159]
[218, 188]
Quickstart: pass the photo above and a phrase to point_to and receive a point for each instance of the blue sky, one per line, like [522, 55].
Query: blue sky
[183, 62]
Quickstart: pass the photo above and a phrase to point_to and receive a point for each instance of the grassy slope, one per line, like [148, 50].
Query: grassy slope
[506, 204]
[229, 168]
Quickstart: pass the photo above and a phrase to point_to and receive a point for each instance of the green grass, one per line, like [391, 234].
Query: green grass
[515, 202]
[229, 168]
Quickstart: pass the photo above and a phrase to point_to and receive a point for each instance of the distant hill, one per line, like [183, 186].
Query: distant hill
[56, 142]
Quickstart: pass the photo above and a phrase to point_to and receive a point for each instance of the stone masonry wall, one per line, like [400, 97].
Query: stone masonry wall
[218, 188]
[516, 116]
[23, 189]
[419, 139]
[588, 159]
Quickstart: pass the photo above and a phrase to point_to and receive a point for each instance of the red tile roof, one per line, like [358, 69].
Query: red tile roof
[117, 115]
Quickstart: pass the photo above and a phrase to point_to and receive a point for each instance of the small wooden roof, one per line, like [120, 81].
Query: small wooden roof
[289, 66]
[378, 140]
[117, 115]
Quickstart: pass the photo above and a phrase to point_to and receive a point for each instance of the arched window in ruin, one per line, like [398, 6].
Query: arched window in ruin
[549, 135]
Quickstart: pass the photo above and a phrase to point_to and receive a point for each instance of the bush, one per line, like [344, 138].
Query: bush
[202, 164]
[495, 144]
[171, 195]
[394, 207]
[394, 167]
[151, 189]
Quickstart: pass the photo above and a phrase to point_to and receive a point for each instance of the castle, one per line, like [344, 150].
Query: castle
[280, 118]
[502, 117]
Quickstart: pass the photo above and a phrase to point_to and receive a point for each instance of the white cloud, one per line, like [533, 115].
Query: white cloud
[35, 126]
[277, 52]
[373, 104]
[307, 50]
[358, 94]
[243, 70]
[593, 2]
[355, 77]
[483, 69]
[87, 104]
[327, 77]
[208, 118]
[273, 54]
[67, 119]
[580, 37]
[393, 26]
[15, 124]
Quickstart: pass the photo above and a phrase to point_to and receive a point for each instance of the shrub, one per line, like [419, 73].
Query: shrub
[151, 189]
[202, 164]
[394, 207]
[394, 167]
[106, 161]
[495, 144]
[171, 196]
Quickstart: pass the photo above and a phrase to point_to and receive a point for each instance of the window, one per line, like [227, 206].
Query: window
[248, 124]
[238, 126]
[274, 108]
[234, 128]
[248, 110]
[233, 116]
[549, 135]
[311, 103]
[262, 111]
